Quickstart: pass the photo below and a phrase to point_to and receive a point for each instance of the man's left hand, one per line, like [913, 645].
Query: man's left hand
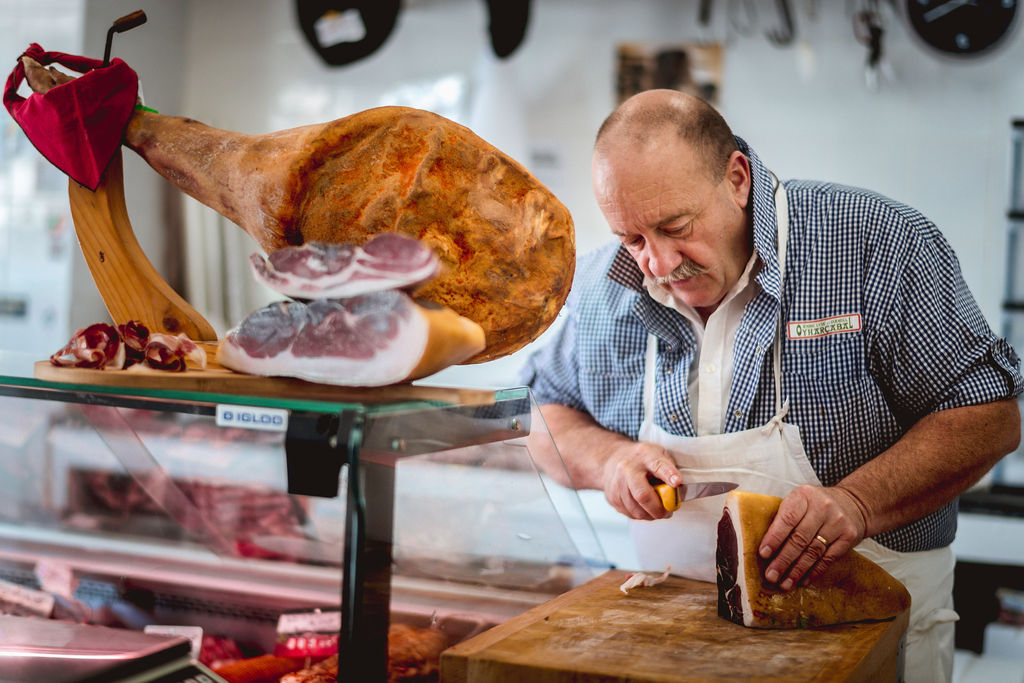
[812, 529]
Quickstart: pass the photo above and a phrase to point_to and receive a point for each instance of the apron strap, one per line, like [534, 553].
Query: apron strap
[782, 220]
[650, 375]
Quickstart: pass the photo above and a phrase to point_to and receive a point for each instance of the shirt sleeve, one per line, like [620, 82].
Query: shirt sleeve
[552, 372]
[934, 349]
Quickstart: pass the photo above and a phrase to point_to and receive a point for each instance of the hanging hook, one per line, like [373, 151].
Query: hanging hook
[785, 34]
[125, 23]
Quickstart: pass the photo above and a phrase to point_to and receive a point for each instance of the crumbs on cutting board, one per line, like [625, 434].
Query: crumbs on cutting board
[640, 579]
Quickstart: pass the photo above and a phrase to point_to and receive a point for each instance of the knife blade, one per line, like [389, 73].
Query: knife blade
[674, 496]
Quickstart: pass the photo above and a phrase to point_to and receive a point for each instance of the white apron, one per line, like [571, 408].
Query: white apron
[771, 459]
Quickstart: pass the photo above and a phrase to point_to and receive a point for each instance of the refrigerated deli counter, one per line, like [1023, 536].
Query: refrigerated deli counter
[157, 512]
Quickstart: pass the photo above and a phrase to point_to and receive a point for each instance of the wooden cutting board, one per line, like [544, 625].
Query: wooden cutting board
[215, 379]
[668, 632]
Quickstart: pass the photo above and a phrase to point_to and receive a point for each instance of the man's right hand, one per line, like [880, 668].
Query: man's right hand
[595, 458]
[627, 475]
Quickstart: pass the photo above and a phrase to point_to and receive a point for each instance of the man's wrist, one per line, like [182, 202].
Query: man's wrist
[856, 508]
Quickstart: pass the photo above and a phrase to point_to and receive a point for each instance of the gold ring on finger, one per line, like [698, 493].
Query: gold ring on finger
[820, 538]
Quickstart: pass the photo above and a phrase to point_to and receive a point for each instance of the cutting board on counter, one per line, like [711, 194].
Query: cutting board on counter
[664, 633]
[215, 379]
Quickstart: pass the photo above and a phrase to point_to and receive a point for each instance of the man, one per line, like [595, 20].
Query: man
[806, 340]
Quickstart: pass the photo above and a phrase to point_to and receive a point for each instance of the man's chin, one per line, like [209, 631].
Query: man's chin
[689, 292]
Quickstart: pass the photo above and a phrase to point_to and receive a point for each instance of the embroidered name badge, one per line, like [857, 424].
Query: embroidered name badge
[810, 329]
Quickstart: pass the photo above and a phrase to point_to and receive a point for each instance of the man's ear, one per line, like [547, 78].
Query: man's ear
[737, 174]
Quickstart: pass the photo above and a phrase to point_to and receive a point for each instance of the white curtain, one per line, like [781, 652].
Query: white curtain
[218, 283]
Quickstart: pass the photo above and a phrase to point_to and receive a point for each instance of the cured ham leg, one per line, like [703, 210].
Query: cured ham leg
[853, 589]
[506, 244]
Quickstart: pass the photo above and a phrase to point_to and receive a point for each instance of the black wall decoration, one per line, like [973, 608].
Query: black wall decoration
[344, 32]
[508, 20]
[961, 28]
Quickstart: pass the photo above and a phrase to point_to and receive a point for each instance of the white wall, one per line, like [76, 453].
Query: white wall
[936, 138]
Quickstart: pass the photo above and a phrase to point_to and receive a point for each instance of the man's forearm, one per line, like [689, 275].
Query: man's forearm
[584, 445]
[937, 459]
[596, 458]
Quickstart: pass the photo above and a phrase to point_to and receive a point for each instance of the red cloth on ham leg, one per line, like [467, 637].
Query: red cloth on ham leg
[77, 126]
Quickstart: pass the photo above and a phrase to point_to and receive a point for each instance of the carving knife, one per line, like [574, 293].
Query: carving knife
[674, 496]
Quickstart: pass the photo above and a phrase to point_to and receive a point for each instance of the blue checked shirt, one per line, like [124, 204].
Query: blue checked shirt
[923, 344]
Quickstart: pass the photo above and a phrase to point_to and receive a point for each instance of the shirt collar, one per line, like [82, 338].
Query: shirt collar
[624, 270]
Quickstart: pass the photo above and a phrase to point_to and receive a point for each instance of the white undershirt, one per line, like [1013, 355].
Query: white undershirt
[712, 367]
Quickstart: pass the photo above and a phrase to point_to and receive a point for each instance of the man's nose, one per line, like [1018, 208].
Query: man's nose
[662, 257]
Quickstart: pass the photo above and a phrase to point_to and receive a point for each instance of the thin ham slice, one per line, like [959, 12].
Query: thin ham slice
[371, 340]
[320, 270]
[173, 352]
[135, 336]
[98, 347]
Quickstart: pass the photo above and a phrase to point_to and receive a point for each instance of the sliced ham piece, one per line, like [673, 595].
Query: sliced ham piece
[98, 347]
[853, 589]
[173, 352]
[371, 340]
[321, 270]
[135, 336]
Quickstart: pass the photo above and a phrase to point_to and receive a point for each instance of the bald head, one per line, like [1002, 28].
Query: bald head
[646, 117]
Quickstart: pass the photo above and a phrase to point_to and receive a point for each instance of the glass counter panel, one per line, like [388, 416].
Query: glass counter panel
[159, 476]
[163, 516]
[472, 504]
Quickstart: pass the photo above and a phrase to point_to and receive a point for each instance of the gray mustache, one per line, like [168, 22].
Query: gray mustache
[684, 270]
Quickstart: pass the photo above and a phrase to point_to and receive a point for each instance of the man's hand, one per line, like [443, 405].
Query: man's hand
[595, 458]
[813, 528]
[626, 479]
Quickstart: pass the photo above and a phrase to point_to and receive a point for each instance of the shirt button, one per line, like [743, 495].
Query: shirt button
[673, 418]
[738, 413]
[668, 371]
[711, 369]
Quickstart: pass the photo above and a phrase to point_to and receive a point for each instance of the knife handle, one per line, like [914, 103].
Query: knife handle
[669, 496]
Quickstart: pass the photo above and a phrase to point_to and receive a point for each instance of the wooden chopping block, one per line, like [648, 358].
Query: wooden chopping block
[664, 633]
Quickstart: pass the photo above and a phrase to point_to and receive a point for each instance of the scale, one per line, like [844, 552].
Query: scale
[59, 652]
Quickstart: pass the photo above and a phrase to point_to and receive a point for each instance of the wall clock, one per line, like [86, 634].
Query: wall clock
[965, 28]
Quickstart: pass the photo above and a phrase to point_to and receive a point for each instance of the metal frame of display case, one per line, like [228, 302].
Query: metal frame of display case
[322, 438]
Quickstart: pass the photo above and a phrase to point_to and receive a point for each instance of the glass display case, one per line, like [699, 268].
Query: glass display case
[136, 508]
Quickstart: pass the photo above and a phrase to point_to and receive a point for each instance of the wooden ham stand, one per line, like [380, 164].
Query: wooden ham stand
[130, 286]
